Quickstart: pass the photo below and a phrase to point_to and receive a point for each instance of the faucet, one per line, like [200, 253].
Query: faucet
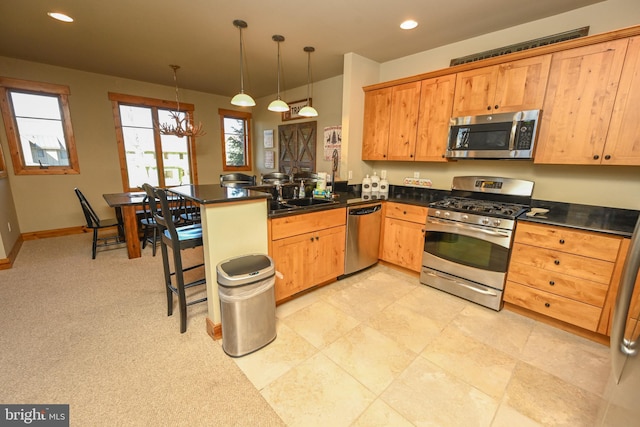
[279, 191]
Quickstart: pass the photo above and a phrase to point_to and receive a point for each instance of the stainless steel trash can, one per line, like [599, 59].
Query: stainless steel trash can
[247, 303]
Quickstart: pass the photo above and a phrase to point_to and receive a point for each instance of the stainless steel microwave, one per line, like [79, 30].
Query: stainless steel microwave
[494, 136]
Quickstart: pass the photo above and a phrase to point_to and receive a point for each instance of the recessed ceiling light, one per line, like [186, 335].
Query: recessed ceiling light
[60, 16]
[409, 24]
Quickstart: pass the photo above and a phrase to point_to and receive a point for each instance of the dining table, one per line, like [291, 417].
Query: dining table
[128, 203]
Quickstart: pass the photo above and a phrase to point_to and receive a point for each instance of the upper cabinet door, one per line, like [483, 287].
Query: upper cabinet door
[522, 84]
[623, 140]
[579, 102]
[513, 86]
[436, 103]
[405, 104]
[377, 116]
[475, 91]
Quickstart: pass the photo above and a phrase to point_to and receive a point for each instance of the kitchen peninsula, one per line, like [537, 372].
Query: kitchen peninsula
[234, 223]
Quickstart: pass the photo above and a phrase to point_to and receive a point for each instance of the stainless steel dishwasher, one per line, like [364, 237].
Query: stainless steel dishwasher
[363, 237]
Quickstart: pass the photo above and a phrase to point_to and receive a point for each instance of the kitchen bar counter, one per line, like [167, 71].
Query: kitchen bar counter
[234, 224]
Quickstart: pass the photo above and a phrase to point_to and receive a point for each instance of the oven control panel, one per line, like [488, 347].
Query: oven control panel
[469, 218]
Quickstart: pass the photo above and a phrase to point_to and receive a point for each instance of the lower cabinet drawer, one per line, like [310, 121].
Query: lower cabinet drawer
[576, 313]
[563, 285]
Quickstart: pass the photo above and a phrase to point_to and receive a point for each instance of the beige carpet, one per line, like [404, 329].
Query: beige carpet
[94, 334]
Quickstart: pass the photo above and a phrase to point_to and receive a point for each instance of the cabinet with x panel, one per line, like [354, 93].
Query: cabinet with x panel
[297, 147]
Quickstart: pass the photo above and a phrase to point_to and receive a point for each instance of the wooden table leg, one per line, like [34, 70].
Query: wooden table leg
[131, 231]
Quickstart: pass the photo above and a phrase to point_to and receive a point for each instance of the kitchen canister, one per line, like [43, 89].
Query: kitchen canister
[384, 187]
[375, 183]
[366, 184]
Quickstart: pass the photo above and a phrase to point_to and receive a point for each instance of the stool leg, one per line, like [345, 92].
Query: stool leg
[182, 299]
[167, 277]
[95, 243]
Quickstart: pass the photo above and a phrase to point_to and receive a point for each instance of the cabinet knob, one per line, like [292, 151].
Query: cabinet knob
[596, 157]
[562, 241]
[607, 157]
[311, 238]
[556, 262]
[488, 107]
[317, 238]
[546, 304]
[410, 155]
[404, 212]
[496, 106]
[552, 283]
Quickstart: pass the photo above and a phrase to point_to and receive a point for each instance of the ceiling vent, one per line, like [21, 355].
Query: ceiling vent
[542, 41]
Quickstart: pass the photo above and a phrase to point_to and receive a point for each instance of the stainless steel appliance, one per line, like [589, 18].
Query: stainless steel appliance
[494, 136]
[469, 235]
[363, 237]
[620, 406]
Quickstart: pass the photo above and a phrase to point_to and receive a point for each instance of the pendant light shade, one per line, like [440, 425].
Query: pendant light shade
[242, 99]
[278, 105]
[308, 110]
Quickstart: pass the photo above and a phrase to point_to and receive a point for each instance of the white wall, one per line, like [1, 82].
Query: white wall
[326, 99]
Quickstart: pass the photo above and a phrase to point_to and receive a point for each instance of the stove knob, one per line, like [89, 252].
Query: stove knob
[447, 214]
[496, 222]
[465, 217]
[485, 221]
[437, 213]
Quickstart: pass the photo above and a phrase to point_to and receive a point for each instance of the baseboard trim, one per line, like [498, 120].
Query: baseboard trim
[7, 263]
[214, 329]
[58, 232]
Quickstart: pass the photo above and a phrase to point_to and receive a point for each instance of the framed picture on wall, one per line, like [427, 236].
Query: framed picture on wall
[294, 109]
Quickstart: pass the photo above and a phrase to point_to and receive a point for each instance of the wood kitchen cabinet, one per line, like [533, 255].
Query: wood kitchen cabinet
[403, 235]
[623, 139]
[579, 103]
[436, 103]
[563, 273]
[512, 86]
[307, 249]
[390, 120]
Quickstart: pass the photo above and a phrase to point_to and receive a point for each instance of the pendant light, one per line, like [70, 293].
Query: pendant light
[308, 110]
[278, 105]
[242, 99]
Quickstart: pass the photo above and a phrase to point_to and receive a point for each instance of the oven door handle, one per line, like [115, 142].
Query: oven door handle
[479, 290]
[470, 227]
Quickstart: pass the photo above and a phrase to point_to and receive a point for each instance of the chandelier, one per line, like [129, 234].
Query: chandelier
[181, 125]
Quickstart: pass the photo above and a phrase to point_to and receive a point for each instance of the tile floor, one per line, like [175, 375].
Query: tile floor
[380, 349]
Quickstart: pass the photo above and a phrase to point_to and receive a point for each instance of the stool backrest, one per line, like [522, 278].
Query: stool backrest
[164, 216]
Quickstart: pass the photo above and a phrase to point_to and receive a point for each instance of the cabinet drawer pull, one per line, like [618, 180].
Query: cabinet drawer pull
[552, 283]
[546, 304]
[556, 262]
[562, 241]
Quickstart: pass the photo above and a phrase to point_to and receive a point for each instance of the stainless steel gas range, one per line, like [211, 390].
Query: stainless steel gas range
[469, 236]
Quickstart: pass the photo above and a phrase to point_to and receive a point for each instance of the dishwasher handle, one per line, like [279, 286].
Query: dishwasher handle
[365, 210]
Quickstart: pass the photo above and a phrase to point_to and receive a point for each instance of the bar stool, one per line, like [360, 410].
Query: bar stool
[178, 239]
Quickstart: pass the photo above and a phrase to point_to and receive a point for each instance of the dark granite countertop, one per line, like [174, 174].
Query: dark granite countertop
[585, 217]
[214, 193]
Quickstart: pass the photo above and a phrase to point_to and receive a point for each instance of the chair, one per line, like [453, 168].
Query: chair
[237, 180]
[96, 224]
[177, 239]
[150, 229]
